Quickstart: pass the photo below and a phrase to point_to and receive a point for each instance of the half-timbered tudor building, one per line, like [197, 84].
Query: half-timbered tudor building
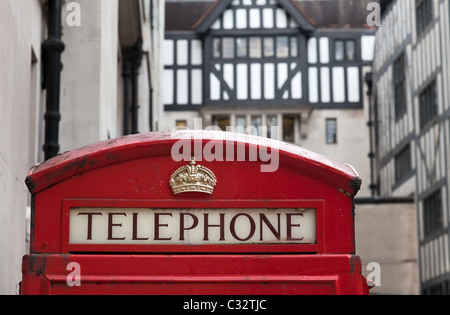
[297, 65]
[412, 111]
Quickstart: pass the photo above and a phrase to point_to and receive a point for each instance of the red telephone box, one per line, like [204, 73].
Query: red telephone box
[192, 213]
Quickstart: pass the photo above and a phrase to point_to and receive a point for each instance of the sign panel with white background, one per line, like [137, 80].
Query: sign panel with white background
[151, 226]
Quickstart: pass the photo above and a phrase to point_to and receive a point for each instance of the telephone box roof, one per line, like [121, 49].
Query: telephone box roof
[106, 153]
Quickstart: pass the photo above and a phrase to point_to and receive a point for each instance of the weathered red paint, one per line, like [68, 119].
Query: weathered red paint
[134, 172]
[196, 275]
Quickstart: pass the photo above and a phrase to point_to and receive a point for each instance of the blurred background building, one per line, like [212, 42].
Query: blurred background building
[306, 67]
[297, 65]
[411, 111]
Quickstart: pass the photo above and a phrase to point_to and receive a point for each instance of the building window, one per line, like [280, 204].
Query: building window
[269, 47]
[217, 47]
[256, 123]
[282, 47]
[339, 50]
[288, 129]
[241, 124]
[350, 49]
[433, 220]
[442, 288]
[294, 47]
[403, 164]
[183, 71]
[424, 15]
[263, 125]
[181, 124]
[255, 50]
[228, 48]
[428, 105]
[400, 86]
[241, 47]
[331, 131]
[256, 47]
[223, 123]
[272, 127]
[344, 50]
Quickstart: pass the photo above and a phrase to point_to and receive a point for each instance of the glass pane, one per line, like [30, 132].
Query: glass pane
[294, 47]
[255, 47]
[351, 49]
[241, 47]
[256, 125]
[339, 50]
[223, 123]
[272, 127]
[331, 131]
[241, 124]
[269, 50]
[181, 124]
[282, 47]
[216, 47]
[288, 129]
[228, 48]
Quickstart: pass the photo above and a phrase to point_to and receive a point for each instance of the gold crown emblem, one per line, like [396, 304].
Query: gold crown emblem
[193, 178]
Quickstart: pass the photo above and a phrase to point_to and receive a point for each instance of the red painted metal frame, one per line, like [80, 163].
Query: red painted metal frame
[66, 247]
[134, 172]
[196, 275]
[139, 168]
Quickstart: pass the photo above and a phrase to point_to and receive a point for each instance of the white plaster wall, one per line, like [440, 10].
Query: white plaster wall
[380, 239]
[157, 37]
[108, 71]
[20, 33]
[352, 146]
[170, 118]
[89, 80]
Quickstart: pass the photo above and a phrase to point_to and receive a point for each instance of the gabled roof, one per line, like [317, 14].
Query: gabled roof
[219, 6]
[189, 15]
[337, 14]
[182, 15]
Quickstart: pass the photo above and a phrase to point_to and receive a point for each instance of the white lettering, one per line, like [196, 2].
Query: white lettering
[261, 149]
[374, 278]
[374, 18]
[194, 305]
[74, 278]
[74, 17]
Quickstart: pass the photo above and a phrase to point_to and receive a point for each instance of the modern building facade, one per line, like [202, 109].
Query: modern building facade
[109, 68]
[411, 111]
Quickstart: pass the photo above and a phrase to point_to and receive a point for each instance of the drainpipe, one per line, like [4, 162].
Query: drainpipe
[371, 124]
[126, 74]
[151, 109]
[137, 61]
[152, 29]
[52, 49]
[132, 63]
